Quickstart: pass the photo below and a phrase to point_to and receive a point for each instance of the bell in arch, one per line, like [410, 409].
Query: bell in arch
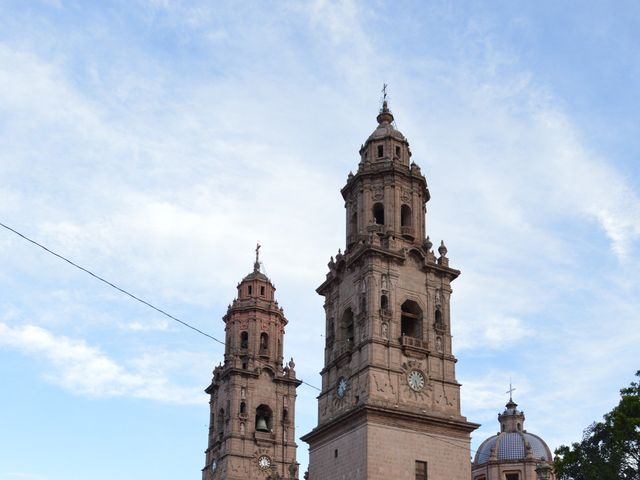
[261, 424]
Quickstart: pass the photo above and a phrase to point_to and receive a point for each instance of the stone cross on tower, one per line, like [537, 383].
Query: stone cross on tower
[256, 265]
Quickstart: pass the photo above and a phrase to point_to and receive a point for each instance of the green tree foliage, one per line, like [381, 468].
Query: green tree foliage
[609, 450]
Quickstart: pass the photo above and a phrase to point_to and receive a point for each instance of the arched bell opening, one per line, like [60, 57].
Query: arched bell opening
[347, 326]
[264, 344]
[244, 340]
[264, 418]
[405, 216]
[378, 213]
[411, 320]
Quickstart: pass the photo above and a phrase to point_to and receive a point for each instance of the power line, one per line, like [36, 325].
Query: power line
[122, 290]
[161, 311]
[98, 277]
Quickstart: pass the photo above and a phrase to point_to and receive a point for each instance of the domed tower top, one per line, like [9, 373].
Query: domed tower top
[256, 284]
[387, 195]
[386, 143]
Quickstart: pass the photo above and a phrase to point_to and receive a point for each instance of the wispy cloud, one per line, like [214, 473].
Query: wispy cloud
[161, 164]
[86, 370]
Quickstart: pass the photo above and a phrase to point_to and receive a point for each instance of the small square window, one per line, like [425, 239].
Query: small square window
[512, 476]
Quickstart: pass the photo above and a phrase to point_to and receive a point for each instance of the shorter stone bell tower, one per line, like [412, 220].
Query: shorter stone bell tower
[252, 426]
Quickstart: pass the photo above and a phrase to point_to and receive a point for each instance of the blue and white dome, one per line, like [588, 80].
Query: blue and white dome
[512, 446]
[513, 443]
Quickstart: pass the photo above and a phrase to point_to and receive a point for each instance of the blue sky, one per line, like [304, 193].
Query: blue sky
[156, 141]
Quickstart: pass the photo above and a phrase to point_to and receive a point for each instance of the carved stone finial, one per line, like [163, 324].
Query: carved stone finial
[442, 249]
[428, 243]
[543, 471]
[292, 364]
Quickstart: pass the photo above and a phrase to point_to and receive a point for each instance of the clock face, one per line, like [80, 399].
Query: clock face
[342, 387]
[264, 462]
[415, 379]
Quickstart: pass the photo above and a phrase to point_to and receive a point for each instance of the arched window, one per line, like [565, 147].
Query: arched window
[353, 224]
[221, 423]
[347, 326]
[264, 343]
[378, 213]
[405, 216]
[212, 422]
[243, 408]
[285, 415]
[244, 340]
[330, 331]
[411, 319]
[263, 419]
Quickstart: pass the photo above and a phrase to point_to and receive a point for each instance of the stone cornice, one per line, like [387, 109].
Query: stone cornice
[379, 415]
[400, 255]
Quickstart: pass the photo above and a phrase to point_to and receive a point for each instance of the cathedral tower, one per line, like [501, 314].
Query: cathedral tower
[252, 427]
[390, 402]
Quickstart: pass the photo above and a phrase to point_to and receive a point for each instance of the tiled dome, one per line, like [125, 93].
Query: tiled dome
[513, 442]
[512, 446]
